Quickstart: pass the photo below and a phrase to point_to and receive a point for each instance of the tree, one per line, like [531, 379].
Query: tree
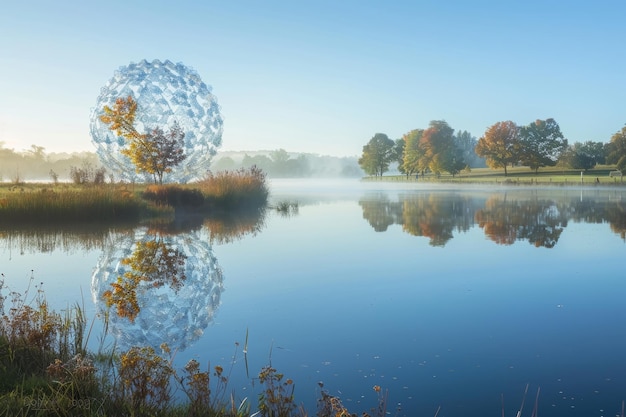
[37, 153]
[154, 262]
[467, 143]
[121, 117]
[499, 145]
[583, 155]
[595, 150]
[261, 161]
[617, 150]
[280, 162]
[440, 151]
[413, 153]
[541, 144]
[223, 164]
[377, 155]
[398, 155]
[155, 152]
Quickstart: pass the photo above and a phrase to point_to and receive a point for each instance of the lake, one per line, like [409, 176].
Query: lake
[452, 297]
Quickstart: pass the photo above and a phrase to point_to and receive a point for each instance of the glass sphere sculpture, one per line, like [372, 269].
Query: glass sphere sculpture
[165, 93]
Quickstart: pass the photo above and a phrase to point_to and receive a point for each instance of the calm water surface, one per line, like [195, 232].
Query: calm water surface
[444, 297]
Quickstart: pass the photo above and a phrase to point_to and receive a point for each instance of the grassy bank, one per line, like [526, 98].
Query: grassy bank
[69, 203]
[518, 176]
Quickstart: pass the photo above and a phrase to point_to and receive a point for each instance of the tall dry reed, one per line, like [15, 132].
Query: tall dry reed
[239, 188]
[88, 204]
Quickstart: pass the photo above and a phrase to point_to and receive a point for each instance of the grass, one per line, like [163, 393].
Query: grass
[235, 189]
[64, 203]
[79, 205]
[518, 176]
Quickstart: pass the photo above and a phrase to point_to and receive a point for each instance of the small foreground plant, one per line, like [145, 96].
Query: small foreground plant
[145, 378]
[277, 398]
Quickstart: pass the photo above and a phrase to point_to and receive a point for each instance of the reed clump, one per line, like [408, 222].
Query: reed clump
[224, 191]
[174, 196]
[72, 205]
[239, 188]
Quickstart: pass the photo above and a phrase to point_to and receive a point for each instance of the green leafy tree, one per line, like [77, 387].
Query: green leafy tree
[398, 151]
[541, 144]
[223, 164]
[280, 162]
[155, 152]
[583, 155]
[37, 153]
[377, 155]
[440, 151]
[413, 152]
[500, 145]
[617, 150]
[595, 150]
[467, 143]
[260, 161]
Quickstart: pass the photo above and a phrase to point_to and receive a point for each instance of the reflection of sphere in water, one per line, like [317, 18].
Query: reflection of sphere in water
[165, 92]
[166, 315]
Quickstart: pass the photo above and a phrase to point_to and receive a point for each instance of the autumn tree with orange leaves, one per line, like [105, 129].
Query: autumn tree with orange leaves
[153, 263]
[440, 153]
[500, 145]
[156, 152]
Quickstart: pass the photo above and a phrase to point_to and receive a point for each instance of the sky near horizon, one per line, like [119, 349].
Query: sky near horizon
[321, 76]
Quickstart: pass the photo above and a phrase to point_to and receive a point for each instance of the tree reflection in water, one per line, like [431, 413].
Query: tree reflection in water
[538, 217]
[153, 263]
[431, 215]
[540, 221]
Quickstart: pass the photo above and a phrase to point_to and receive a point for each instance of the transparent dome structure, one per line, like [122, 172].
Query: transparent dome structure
[177, 316]
[165, 93]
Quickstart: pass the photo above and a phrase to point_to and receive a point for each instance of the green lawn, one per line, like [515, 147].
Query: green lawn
[518, 175]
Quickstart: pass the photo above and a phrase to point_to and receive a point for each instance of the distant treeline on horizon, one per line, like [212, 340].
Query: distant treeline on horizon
[35, 164]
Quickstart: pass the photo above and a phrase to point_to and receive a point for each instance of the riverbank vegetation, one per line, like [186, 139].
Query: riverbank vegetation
[540, 144]
[89, 201]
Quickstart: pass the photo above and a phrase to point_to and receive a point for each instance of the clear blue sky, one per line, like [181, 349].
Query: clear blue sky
[321, 76]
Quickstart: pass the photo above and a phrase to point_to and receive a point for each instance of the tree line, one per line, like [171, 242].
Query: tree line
[438, 149]
[36, 164]
[283, 164]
